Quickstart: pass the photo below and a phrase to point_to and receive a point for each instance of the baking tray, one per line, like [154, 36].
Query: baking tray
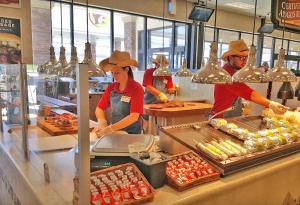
[186, 134]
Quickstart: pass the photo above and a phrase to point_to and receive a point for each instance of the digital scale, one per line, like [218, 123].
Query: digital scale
[114, 149]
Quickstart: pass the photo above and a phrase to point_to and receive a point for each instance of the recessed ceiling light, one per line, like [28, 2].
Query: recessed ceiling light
[240, 5]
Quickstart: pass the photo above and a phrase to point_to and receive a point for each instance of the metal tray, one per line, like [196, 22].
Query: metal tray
[186, 133]
[117, 144]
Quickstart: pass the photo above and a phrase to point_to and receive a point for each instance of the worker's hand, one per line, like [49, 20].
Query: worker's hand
[171, 90]
[102, 123]
[104, 131]
[277, 108]
[163, 97]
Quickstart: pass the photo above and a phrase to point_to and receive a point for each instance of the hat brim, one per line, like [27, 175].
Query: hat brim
[158, 62]
[234, 53]
[106, 66]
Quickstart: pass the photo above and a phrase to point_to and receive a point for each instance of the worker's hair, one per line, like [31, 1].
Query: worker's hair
[130, 73]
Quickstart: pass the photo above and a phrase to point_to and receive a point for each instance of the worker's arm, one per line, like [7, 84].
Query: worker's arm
[162, 96]
[102, 122]
[275, 106]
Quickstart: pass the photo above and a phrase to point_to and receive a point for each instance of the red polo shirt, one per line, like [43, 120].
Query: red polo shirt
[133, 90]
[148, 78]
[225, 94]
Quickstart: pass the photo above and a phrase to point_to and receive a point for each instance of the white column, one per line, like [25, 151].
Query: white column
[83, 133]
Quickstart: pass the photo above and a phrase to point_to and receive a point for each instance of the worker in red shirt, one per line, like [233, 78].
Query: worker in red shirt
[124, 97]
[157, 86]
[227, 95]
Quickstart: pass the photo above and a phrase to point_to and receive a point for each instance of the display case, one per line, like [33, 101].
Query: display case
[176, 139]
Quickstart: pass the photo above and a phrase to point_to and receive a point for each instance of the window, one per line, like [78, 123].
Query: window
[129, 35]
[99, 32]
[208, 38]
[294, 50]
[56, 28]
[180, 44]
[159, 39]
[267, 50]
[247, 37]
[224, 38]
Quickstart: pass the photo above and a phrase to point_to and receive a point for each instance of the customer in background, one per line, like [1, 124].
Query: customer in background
[124, 97]
[227, 95]
[156, 87]
[265, 67]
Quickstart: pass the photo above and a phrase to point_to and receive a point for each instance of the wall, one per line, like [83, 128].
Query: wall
[23, 13]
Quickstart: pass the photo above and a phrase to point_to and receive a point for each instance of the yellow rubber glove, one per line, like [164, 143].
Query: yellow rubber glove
[162, 97]
[277, 108]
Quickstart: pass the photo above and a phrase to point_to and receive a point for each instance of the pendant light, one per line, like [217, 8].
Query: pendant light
[62, 62]
[212, 73]
[162, 70]
[280, 73]
[285, 92]
[69, 70]
[94, 69]
[43, 69]
[184, 71]
[250, 73]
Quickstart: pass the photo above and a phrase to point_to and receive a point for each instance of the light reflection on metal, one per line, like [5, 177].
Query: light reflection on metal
[184, 71]
[250, 73]
[212, 73]
[94, 69]
[280, 73]
[162, 70]
[69, 70]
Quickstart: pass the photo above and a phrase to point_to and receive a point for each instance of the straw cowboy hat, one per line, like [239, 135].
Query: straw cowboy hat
[160, 57]
[236, 48]
[118, 59]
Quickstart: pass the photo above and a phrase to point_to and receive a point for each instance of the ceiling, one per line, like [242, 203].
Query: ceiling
[242, 6]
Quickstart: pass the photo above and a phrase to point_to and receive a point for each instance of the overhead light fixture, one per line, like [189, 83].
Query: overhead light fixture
[184, 71]
[43, 69]
[69, 70]
[240, 5]
[162, 70]
[250, 73]
[285, 92]
[201, 13]
[94, 69]
[212, 73]
[280, 73]
[62, 62]
[266, 27]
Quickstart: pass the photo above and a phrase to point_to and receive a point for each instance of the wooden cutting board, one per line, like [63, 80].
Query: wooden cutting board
[54, 131]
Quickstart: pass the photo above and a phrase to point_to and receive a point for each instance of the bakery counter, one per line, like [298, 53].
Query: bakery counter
[187, 112]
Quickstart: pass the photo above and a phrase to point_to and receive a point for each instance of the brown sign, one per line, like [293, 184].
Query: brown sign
[288, 10]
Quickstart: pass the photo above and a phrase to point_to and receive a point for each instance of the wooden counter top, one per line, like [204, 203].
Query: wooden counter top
[189, 108]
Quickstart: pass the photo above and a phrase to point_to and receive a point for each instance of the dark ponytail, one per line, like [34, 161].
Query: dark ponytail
[130, 73]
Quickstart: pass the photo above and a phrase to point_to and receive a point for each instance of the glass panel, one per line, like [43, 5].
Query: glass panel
[208, 38]
[129, 34]
[66, 28]
[180, 43]
[99, 32]
[248, 39]
[267, 51]
[278, 45]
[155, 42]
[10, 98]
[294, 48]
